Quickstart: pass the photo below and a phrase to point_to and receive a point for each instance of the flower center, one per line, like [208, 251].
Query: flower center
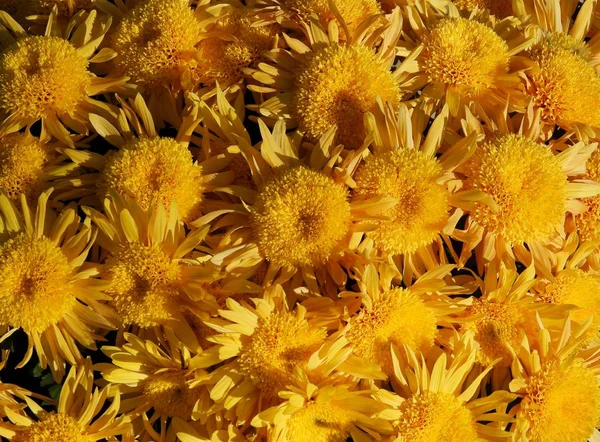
[498, 326]
[156, 42]
[158, 170]
[398, 317]
[22, 162]
[278, 345]
[337, 85]
[56, 427]
[144, 284]
[320, 422]
[435, 417]
[565, 86]
[464, 53]
[170, 394]
[526, 181]
[422, 210]
[35, 292]
[300, 218]
[42, 77]
[549, 403]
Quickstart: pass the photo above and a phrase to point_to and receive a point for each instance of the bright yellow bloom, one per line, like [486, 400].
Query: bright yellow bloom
[45, 290]
[47, 78]
[527, 183]
[559, 388]
[411, 177]
[77, 417]
[588, 222]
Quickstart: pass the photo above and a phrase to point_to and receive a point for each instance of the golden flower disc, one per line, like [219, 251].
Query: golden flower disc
[337, 85]
[156, 170]
[42, 77]
[277, 345]
[435, 417]
[300, 217]
[156, 42]
[561, 404]
[399, 317]
[55, 427]
[35, 292]
[411, 177]
[144, 285]
[22, 162]
[320, 422]
[526, 181]
[464, 53]
[170, 394]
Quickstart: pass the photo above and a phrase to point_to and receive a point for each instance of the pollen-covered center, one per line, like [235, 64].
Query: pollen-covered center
[399, 317]
[144, 284]
[498, 327]
[278, 344]
[561, 403]
[565, 86]
[435, 417]
[411, 177]
[320, 422]
[156, 170]
[170, 395]
[42, 77]
[354, 12]
[156, 42]
[23, 160]
[220, 59]
[35, 292]
[337, 85]
[464, 53]
[526, 181]
[300, 218]
[56, 427]
[588, 222]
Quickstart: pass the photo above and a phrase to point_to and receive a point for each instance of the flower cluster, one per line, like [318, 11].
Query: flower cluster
[299, 220]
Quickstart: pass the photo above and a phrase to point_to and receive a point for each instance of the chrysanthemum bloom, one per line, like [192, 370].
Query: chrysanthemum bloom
[154, 379]
[145, 274]
[329, 83]
[505, 314]
[77, 417]
[530, 186]
[394, 316]
[562, 83]
[301, 219]
[146, 168]
[261, 346]
[47, 77]
[439, 401]
[323, 413]
[499, 8]
[551, 377]
[464, 60]
[352, 13]
[411, 168]
[29, 166]
[46, 290]
[238, 41]
[588, 222]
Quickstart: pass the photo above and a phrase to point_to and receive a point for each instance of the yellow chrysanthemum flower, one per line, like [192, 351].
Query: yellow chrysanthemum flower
[46, 291]
[438, 402]
[465, 60]
[551, 377]
[327, 83]
[323, 413]
[156, 387]
[77, 418]
[47, 77]
[588, 222]
[144, 273]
